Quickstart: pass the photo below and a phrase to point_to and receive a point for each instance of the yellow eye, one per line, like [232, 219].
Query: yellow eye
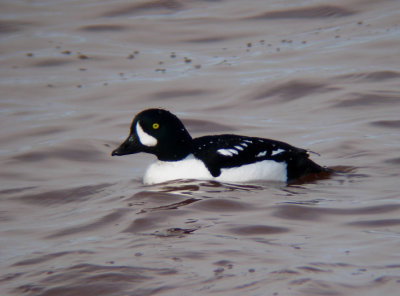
[156, 125]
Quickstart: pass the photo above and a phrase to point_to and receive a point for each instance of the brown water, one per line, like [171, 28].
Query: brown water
[321, 76]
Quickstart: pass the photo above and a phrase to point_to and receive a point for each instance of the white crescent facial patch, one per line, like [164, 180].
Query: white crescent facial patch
[144, 137]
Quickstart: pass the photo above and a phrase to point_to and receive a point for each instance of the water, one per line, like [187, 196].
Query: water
[321, 76]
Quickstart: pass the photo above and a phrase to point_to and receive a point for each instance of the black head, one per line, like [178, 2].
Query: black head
[159, 132]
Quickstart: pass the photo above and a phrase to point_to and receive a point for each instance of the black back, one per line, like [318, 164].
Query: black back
[241, 150]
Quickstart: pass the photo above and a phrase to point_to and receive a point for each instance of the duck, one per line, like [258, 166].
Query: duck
[226, 158]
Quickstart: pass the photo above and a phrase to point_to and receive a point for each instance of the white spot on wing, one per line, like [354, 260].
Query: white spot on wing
[261, 154]
[239, 148]
[227, 152]
[233, 151]
[144, 137]
[224, 152]
[275, 152]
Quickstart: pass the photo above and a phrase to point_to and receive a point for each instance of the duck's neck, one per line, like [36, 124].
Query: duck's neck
[175, 148]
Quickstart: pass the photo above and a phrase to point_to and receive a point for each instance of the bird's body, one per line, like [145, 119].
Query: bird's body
[224, 158]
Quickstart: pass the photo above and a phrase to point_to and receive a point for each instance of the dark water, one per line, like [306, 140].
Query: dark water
[321, 76]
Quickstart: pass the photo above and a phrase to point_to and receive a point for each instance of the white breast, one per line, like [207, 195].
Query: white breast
[188, 168]
[193, 168]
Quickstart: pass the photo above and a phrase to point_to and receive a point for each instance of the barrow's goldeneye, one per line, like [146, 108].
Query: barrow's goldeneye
[224, 158]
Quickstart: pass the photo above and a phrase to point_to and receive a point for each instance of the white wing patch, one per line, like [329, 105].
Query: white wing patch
[261, 154]
[275, 152]
[227, 152]
[144, 137]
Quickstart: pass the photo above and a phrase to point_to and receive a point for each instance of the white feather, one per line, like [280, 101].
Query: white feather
[188, 168]
[262, 170]
[225, 152]
[275, 152]
[233, 151]
[193, 168]
[261, 154]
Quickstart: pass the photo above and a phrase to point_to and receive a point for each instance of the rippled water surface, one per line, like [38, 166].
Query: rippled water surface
[320, 75]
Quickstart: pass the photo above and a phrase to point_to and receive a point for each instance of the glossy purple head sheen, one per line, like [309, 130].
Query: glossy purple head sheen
[159, 132]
